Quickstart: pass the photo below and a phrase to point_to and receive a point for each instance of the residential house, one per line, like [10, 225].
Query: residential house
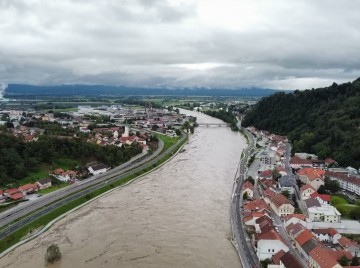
[44, 183]
[257, 205]
[312, 202]
[321, 258]
[268, 193]
[327, 235]
[294, 230]
[289, 261]
[287, 183]
[324, 199]
[63, 175]
[281, 205]
[98, 169]
[324, 213]
[351, 246]
[276, 259]
[267, 174]
[14, 194]
[268, 244]
[301, 239]
[263, 224]
[294, 218]
[29, 188]
[250, 220]
[306, 191]
[309, 246]
[248, 188]
[312, 176]
[296, 162]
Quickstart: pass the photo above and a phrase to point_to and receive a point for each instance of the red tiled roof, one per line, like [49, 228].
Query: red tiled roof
[270, 235]
[343, 177]
[247, 185]
[289, 261]
[346, 242]
[329, 231]
[277, 256]
[298, 161]
[279, 199]
[1, 191]
[258, 204]
[28, 187]
[298, 216]
[266, 173]
[322, 257]
[12, 191]
[329, 161]
[311, 173]
[305, 236]
[269, 192]
[339, 253]
[16, 196]
[305, 187]
[325, 197]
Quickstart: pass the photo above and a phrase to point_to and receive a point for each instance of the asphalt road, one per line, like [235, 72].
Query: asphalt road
[245, 250]
[44, 205]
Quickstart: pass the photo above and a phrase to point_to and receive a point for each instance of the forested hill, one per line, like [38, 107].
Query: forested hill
[324, 121]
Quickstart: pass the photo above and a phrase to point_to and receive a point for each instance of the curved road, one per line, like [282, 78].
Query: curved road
[67, 195]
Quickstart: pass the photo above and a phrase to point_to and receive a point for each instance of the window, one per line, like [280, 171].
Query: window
[273, 250]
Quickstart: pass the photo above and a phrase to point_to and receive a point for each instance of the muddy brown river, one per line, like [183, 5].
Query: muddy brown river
[177, 216]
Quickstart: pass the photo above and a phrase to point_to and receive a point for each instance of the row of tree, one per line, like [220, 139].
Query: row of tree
[226, 116]
[324, 121]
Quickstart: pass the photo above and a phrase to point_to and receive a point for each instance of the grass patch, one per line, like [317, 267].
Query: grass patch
[345, 209]
[168, 141]
[15, 237]
[53, 188]
[338, 200]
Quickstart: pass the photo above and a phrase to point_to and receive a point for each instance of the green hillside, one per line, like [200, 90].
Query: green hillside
[324, 121]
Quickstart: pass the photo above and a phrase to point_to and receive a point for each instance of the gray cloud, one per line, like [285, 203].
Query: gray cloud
[180, 43]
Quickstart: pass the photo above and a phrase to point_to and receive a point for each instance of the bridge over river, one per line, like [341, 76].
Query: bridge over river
[213, 124]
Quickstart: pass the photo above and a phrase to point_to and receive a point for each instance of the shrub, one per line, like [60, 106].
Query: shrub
[53, 253]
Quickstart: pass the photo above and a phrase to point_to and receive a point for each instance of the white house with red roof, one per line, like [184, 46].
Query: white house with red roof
[324, 199]
[28, 188]
[281, 205]
[327, 235]
[248, 188]
[268, 244]
[312, 176]
[306, 191]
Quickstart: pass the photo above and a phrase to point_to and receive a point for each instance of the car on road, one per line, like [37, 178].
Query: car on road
[276, 229]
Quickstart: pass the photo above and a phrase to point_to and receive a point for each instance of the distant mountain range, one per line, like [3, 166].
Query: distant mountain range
[14, 90]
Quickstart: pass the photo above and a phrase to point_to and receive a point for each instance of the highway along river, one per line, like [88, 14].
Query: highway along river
[177, 216]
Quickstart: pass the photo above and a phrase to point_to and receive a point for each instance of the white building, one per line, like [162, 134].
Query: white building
[324, 213]
[98, 169]
[268, 244]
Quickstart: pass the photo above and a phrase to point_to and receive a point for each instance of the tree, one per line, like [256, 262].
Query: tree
[154, 127]
[53, 253]
[286, 193]
[355, 213]
[344, 260]
[355, 261]
[297, 211]
[251, 180]
[178, 132]
[322, 190]
[245, 196]
[276, 174]
[332, 185]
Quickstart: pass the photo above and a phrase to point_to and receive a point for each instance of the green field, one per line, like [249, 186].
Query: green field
[342, 205]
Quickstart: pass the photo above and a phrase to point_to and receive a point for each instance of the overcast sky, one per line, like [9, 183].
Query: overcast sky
[278, 44]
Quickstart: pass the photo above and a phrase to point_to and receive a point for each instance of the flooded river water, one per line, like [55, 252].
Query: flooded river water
[177, 216]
